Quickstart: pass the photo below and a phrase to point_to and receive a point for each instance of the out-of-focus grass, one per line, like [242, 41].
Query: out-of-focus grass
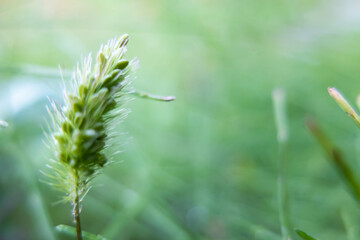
[204, 166]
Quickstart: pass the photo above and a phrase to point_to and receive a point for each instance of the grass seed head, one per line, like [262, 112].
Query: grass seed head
[79, 135]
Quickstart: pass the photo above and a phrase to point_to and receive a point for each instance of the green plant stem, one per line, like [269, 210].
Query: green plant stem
[282, 137]
[77, 218]
[283, 195]
[76, 210]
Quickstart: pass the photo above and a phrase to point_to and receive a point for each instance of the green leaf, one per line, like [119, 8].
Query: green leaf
[71, 231]
[304, 235]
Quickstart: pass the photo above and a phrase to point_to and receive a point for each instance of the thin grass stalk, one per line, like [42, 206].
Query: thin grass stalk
[282, 137]
[345, 171]
[76, 210]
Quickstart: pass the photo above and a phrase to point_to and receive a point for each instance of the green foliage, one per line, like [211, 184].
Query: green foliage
[72, 232]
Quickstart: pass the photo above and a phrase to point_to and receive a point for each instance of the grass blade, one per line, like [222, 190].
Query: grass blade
[337, 159]
[304, 235]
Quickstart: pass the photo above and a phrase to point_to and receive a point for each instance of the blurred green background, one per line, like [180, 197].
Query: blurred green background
[206, 165]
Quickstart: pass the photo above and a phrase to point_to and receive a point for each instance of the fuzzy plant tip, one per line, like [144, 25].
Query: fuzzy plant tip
[79, 133]
[344, 105]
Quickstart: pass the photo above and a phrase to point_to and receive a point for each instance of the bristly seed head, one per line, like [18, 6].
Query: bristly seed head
[79, 135]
